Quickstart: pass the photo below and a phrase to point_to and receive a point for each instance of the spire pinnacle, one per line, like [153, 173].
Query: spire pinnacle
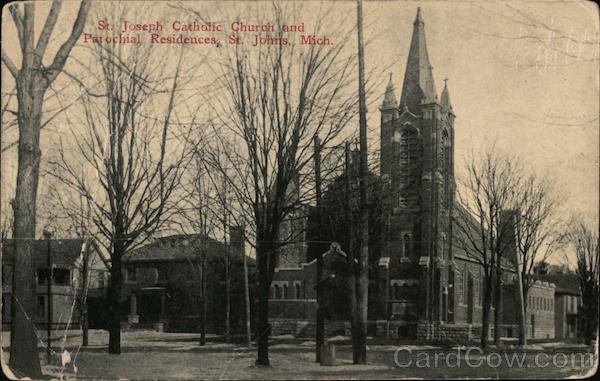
[446, 96]
[419, 19]
[418, 79]
[389, 99]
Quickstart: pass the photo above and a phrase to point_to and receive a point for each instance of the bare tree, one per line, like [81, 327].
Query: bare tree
[486, 191]
[536, 235]
[274, 101]
[126, 145]
[586, 242]
[32, 81]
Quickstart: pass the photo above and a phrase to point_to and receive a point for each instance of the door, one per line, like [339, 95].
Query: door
[149, 307]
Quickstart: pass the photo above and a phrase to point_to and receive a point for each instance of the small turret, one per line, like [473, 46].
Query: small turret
[389, 106]
[389, 100]
[446, 97]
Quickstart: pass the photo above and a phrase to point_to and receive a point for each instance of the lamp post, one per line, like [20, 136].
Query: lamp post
[49, 276]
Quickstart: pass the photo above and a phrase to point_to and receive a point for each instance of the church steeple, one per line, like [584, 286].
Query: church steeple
[445, 101]
[389, 99]
[418, 79]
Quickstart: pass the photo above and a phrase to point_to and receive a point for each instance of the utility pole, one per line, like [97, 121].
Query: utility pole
[363, 278]
[49, 276]
[320, 332]
[351, 256]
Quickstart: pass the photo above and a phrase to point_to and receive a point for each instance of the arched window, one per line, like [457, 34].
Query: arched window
[444, 168]
[298, 290]
[396, 293]
[443, 254]
[406, 246]
[285, 292]
[408, 153]
[277, 292]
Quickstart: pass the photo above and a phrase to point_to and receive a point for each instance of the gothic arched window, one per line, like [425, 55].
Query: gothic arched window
[444, 246]
[277, 292]
[406, 246]
[298, 291]
[408, 153]
[444, 167]
[396, 293]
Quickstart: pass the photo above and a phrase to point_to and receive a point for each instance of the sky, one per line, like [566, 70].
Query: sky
[524, 75]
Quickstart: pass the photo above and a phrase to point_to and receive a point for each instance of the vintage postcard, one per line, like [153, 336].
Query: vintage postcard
[285, 189]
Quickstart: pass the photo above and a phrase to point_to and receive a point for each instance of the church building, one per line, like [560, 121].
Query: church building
[420, 284]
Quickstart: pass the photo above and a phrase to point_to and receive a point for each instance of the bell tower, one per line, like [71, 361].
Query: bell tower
[417, 168]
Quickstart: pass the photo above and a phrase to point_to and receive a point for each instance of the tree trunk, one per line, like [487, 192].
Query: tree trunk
[227, 312]
[85, 328]
[485, 320]
[320, 323]
[203, 313]
[522, 315]
[498, 306]
[227, 299]
[247, 300]
[264, 284]
[24, 359]
[83, 296]
[114, 298]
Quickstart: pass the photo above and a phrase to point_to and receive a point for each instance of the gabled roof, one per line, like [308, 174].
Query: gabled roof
[63, 251]
[565, 283]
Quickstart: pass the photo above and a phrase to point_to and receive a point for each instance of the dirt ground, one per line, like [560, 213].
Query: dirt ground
[157, 355]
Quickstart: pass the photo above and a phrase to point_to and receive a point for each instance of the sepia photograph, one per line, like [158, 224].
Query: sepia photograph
[287, 189]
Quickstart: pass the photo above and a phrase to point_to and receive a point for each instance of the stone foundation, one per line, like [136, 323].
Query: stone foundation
[376, 328]
[448, 332]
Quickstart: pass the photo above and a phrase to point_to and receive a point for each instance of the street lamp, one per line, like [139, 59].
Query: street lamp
[49, 276]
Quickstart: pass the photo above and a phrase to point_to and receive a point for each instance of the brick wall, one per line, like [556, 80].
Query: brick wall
[540, 314]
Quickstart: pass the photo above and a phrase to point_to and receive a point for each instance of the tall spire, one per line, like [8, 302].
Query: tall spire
[445, 101]
[418, 78]
[389, 100]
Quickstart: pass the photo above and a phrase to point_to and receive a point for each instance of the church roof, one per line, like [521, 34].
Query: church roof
[418, 78]
[389, 100]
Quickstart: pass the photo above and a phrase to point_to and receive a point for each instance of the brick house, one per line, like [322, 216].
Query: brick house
[69, 257]
[163, 283]
[567, 295]
[540, 312]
